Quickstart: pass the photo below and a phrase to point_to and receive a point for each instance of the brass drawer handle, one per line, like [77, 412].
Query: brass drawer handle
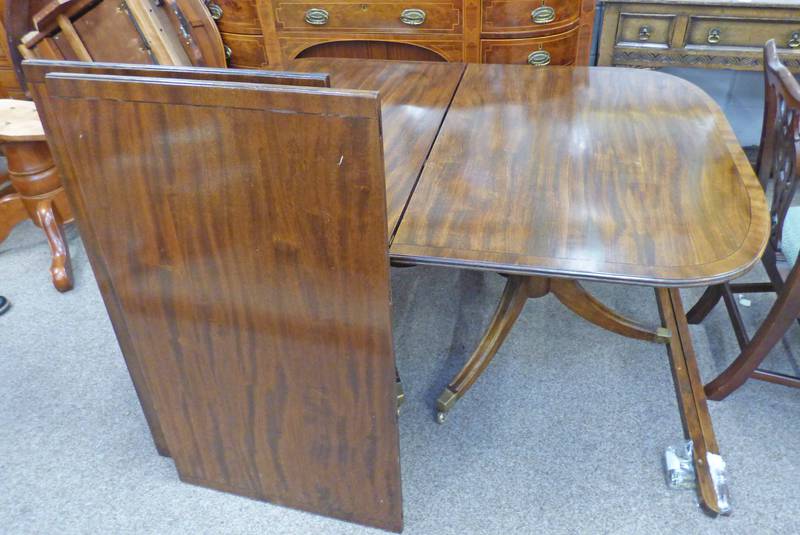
[228, 54]
[714, 35]
[644, 33]
[543, 15]
[317, 16]
[539, 58]
[412, 17]
[215, 11]
[794, 42]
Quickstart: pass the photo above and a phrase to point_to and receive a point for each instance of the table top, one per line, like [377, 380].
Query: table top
[611, 174]
[19, 121]
[414, 99]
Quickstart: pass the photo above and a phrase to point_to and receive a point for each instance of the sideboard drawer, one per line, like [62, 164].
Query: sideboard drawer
[528, 15]
[558, 49]
[414, 17]
[645, 29]
[245, 50]
[235, 16]
[736, 32]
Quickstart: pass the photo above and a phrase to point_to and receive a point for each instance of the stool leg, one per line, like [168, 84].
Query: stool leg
[60, 267]
[33, 175]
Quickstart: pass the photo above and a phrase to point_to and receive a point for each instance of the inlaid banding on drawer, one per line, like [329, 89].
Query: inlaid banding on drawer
[246, 50]
[501, 16]
[552, 50]
[739, 32]
[414, 17]
[652, 30]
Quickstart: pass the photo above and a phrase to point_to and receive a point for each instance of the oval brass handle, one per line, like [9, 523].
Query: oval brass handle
[794, 42]
[714, 35]
[215, 11]
[543, 15]
[228, 54]
[412, 17]
[644, 33]
[317, 16]
[539, 58]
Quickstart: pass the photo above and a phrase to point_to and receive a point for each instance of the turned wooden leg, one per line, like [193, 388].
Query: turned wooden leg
[691, 396]
[517, 291]
[782, 314]
[60, 267]
[704, 305]
[575, 297]
[34, 177]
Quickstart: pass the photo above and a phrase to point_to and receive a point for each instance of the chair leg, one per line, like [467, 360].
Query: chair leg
[782, 314]
[704, 305]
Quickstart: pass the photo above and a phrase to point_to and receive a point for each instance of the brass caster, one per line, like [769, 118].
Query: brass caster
[441, 417]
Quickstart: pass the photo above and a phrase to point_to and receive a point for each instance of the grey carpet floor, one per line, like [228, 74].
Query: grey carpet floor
[564, 433]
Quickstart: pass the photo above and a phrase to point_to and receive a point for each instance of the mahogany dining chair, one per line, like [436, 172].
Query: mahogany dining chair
[777, 166]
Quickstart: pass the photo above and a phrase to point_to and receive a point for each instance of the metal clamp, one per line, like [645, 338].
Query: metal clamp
[317, 16]
[714, 35]
[543, 15]
[412, 17]
[794, 42]
[644, 33]
[539, 58]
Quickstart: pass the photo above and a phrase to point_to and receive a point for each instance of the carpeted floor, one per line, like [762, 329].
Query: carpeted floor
[564, 433]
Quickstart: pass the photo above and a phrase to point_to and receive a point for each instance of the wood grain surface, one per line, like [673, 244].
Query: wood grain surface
[35, 71]
[252, 287]
[611, 174]
[414, 100]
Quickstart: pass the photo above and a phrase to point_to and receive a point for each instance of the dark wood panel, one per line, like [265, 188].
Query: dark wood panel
[562, 179]
[264, 331]
[110, 34]
[35, 71]
[414, 98]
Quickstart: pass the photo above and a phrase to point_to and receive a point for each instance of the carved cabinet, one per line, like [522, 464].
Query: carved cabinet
[717, 34]
[270, 32]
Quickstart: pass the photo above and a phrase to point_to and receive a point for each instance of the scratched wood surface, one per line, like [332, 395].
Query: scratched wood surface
[253, 289]
[414, 101]
[611, 174]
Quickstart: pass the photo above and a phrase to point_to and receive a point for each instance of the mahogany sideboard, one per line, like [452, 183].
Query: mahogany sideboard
[9, 87]
[713, 34]
[271, 32]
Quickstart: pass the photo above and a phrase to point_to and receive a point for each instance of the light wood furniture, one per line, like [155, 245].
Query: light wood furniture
[272, 32]
[777, 166]
[38, 194]
[559, 184]
[714, 34]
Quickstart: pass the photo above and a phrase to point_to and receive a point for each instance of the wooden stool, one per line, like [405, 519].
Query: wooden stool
[38, 192]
